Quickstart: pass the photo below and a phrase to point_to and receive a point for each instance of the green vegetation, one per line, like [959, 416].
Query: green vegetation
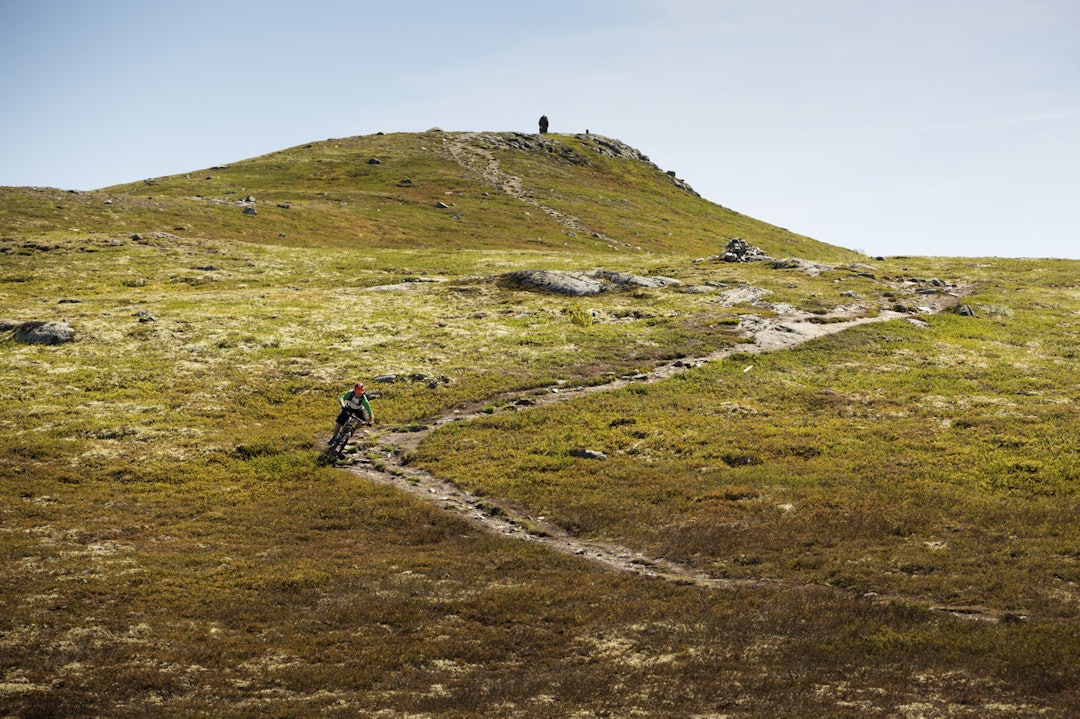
[173, 543]
[326, 194]
[935, 463]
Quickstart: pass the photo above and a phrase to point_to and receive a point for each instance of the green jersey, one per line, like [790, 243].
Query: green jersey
[353, 402]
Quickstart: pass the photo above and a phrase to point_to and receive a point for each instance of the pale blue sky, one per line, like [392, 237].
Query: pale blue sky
[927, 127]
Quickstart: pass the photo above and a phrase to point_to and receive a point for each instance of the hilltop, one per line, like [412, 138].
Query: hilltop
[434, 190]
[613, 472]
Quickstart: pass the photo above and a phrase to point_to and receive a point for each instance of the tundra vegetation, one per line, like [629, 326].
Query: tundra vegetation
[896, 505]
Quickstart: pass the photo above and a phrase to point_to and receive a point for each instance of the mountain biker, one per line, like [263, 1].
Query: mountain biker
[353, 402]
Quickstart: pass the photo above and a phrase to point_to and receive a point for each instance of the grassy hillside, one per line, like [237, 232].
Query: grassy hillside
[897, 502]
[326, 194]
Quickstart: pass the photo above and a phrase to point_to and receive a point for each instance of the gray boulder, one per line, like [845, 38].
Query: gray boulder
[44, 333]
[746, 294]
[793, 263]
[574, 284]
[580, 284]
[626, 279]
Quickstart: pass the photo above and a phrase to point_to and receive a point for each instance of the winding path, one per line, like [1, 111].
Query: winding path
[499, 517]
[482, 163]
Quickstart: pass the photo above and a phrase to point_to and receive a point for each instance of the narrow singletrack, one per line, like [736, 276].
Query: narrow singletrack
[391, 447]
[483, 164]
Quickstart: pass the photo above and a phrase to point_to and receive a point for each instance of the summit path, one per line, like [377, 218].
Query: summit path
[467, 150]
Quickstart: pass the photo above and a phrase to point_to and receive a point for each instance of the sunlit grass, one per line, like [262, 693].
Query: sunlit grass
[889, 459]
[172, 544]
[327, 194]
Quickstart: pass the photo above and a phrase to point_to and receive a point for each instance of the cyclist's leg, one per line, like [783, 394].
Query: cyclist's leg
[339, 425]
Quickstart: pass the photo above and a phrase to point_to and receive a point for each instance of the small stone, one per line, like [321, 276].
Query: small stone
[965, 310]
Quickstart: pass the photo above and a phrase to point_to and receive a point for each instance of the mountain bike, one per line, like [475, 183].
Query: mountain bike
[337, 444]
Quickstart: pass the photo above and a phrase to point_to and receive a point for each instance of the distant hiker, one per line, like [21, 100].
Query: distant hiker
[353, 402]
[543, 124]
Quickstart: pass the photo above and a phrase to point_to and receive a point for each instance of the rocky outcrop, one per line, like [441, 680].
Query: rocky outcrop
[575, 284]
[626, 279]
[746, 295]
[580, 284]
[606, 146]
[793, 263]
[39, 333]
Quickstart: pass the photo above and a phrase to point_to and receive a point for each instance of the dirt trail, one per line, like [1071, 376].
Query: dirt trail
[500, 517]
[483, 163]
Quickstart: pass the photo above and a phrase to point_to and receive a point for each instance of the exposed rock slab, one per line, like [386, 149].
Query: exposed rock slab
[581, 284]
[40, 333]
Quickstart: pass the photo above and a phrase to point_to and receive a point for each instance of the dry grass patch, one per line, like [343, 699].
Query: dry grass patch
[171, 544]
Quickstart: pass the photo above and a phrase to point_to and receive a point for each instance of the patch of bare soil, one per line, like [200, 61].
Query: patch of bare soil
[784, 331]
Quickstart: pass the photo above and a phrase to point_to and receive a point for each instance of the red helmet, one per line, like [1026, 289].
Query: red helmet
[359, 388]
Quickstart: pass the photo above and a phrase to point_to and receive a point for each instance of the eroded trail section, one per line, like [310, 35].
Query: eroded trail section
[385, 462]
[466, 150]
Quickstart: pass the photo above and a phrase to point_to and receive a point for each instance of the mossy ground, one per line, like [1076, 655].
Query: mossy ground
[172, 544]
